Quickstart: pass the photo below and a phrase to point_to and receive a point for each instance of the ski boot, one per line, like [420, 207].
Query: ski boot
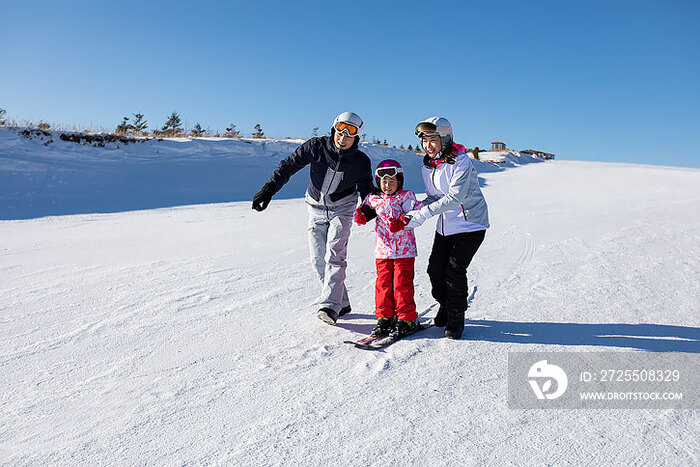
[455, 324]
[404, 328]
[344, 311]
[440, 319]
[327, 315]
[384, 326]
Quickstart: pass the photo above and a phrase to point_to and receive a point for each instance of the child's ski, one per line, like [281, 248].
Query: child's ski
[366, 340]
[386, 340]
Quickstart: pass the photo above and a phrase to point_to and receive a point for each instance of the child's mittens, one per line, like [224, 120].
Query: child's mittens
[396, 225]
[359, 217]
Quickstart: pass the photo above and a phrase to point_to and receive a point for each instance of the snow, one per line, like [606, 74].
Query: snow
[493, 156]
[187, 334]
[68, 178]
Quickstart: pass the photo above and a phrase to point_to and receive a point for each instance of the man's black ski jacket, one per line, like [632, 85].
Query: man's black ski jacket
[344, 172]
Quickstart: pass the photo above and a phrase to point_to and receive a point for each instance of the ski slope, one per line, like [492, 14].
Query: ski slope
[187, 335]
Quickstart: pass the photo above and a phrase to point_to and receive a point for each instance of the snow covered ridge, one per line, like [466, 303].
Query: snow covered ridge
[46, 173]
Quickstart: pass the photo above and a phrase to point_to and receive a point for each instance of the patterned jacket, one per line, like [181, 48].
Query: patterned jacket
[401, 244]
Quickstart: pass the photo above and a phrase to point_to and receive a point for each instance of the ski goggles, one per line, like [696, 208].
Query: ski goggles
[348, 129]
[382, 172]
[425, 129]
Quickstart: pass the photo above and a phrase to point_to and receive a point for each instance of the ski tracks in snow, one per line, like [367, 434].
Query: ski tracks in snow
[189, 335]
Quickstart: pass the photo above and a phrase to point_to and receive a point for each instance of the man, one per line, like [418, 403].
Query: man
[338, 170]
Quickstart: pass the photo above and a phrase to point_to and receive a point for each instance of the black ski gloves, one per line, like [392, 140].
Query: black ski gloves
[368, 212]
[263, 197]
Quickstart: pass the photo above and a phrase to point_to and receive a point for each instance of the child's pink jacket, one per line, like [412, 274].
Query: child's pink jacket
[401, 244]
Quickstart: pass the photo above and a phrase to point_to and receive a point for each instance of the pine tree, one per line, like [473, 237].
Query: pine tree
[123, 128]
[401, 147]
[314, 132]
[385, 143]
[259, 133]
[3, 112]
[197, 131]
[231, 132]
[173, 127]
[139, 126]
[409, 148]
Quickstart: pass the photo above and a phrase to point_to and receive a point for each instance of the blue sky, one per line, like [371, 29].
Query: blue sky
[596, 80]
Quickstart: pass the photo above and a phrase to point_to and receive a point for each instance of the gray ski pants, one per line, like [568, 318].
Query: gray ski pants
[329, 232]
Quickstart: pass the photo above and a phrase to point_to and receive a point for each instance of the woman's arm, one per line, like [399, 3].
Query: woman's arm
[463, 181]
[411, 203]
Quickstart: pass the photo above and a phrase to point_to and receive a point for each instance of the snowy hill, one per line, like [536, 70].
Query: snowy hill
[187, 335]
[41, 178]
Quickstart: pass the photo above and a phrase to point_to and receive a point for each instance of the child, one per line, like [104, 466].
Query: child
[395, 251]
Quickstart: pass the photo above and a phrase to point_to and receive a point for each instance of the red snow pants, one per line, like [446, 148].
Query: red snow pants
[393, 291]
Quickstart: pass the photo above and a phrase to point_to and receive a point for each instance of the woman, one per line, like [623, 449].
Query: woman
[452, 186]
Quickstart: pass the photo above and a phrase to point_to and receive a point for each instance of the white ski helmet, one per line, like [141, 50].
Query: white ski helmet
[436, 125]
[351, 118]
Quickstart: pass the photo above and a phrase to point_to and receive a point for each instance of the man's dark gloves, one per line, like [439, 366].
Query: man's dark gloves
[263, 197]
[368, 212]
